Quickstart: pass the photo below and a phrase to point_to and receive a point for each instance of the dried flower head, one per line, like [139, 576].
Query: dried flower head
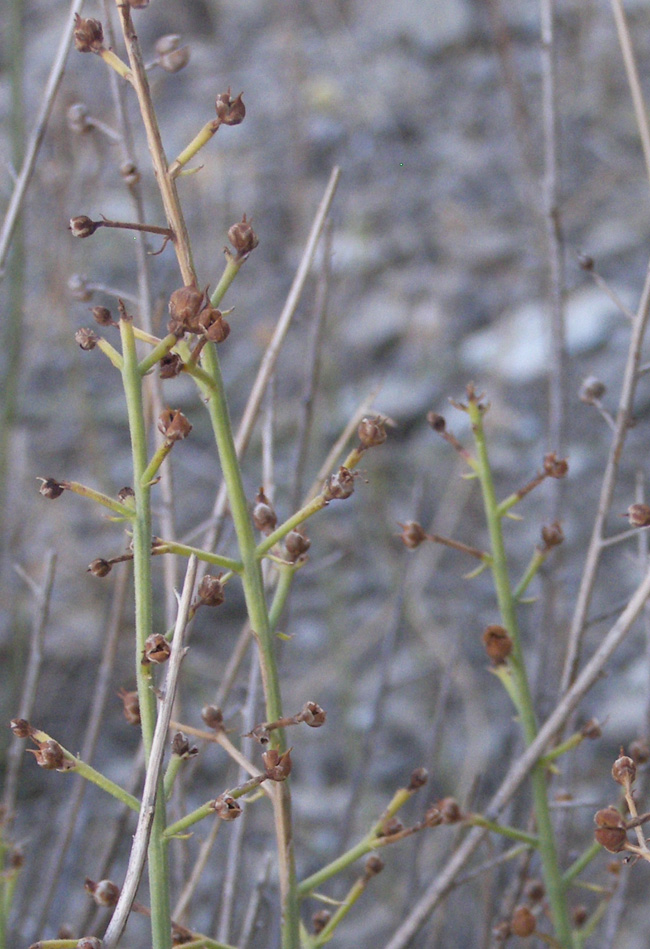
[498, 644]
[339, 485]
[552, 535]
[296, 545]
[21, 727]
[230, 111]
[413, 534]
[312, 714]
[181, 746]
[638, 515]
[243, 238]
[610, 829]
[523, 922]
[173, 425]
[170, 365]
[82, 226]
[185, 304]
[88, 35]
[555, 467]
[50, 756]
[264, 517]
[213, 717]
[373, 865]
[372, 431]
[210, 591]
[418, 779]
[99, 567]
[277, 767]
[50, 488]
[156, 649]
[226, 807]
[104, 893]
[103, 316]
[450, 810]
[131, 706]
[86, 338]
[624, 771]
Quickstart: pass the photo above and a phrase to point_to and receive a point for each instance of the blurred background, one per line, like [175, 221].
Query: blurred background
[437, 274]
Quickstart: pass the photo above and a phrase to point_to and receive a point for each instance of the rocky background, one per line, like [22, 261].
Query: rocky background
[438, 277]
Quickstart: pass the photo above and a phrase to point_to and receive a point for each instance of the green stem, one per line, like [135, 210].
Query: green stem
[568, 745]
[161, 349]
[231, 270]
[157, 854]
[181, 825]
[506, 601]
[476, 820]
[580, 863]
[253, 585]
[353, 894]
[536, 562]
[103, 499]
[170, 547]
[159, 456]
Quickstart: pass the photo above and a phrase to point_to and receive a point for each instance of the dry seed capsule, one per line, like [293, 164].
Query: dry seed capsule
[88, 35]
[226, 807]
[82, 226]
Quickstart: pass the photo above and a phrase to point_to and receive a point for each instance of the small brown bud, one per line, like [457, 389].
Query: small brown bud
[104, 893]
[210, 591]
[243, 238]
[579, 915]
[312, 714]
[173, 425]
[185, 305]
[131, 706]
[213, 717]
[78, 288]
[156, 649]
[535, 891]
[450, 810]
[638, 515]
[339, 485]
[226, 807]
[552, 535]
[592, 390]
[586, 261]
[498, 644]
[640, 751]
[413, 534]
[181, 746]
[555, 467]
[51, 489]
[320, 920]
[296, 545]
[21, 727]
[88, 35]
[610, 829]
[418, 779]
[591, 729]
[374, 865]
[50, 756]
[437, 422]
[230, 111]
[103, 316]
[125, 493]
[99, 567]
[523, 922]
[86, 338]
[82, 226]
[372, 431]
[391, 826]
[277, 767]
[170, 365]
[129, 173]
[264, 517]
[624, 771]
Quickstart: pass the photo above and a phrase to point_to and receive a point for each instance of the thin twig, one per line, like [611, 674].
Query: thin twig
[640, 109]
[523, 765]
[15, 754]
[37, 134]
[624, 414]
[141, 837]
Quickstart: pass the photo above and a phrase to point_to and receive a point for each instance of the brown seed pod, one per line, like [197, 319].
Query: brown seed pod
[339, 485]
[86, 338]
[373, 865]
[277, 767]
[498, 644]
[320, 920]
[51, 489]
[312, 714]
[88, 35]
[264, 517]
[243, 238]
[418, 779]
[638, 515]
[210, 591]
[523, 922]
[213, 717]
[552, 535]
[82, 226]
[591, 729]
[450, 810]
[413, 534]
[372, 431]
[103, 316]
[173, 425]
[171, 365]
[21, 727]
[104, 893]
[50, 756]
[156, 649]
[131, 706]
[624, 771]
[592, 390]
[185, 304]
[181, 746]
[296, 545]
[226, 807]
[99, 567]
[610, 829]
[230, 111]
[555, 467]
